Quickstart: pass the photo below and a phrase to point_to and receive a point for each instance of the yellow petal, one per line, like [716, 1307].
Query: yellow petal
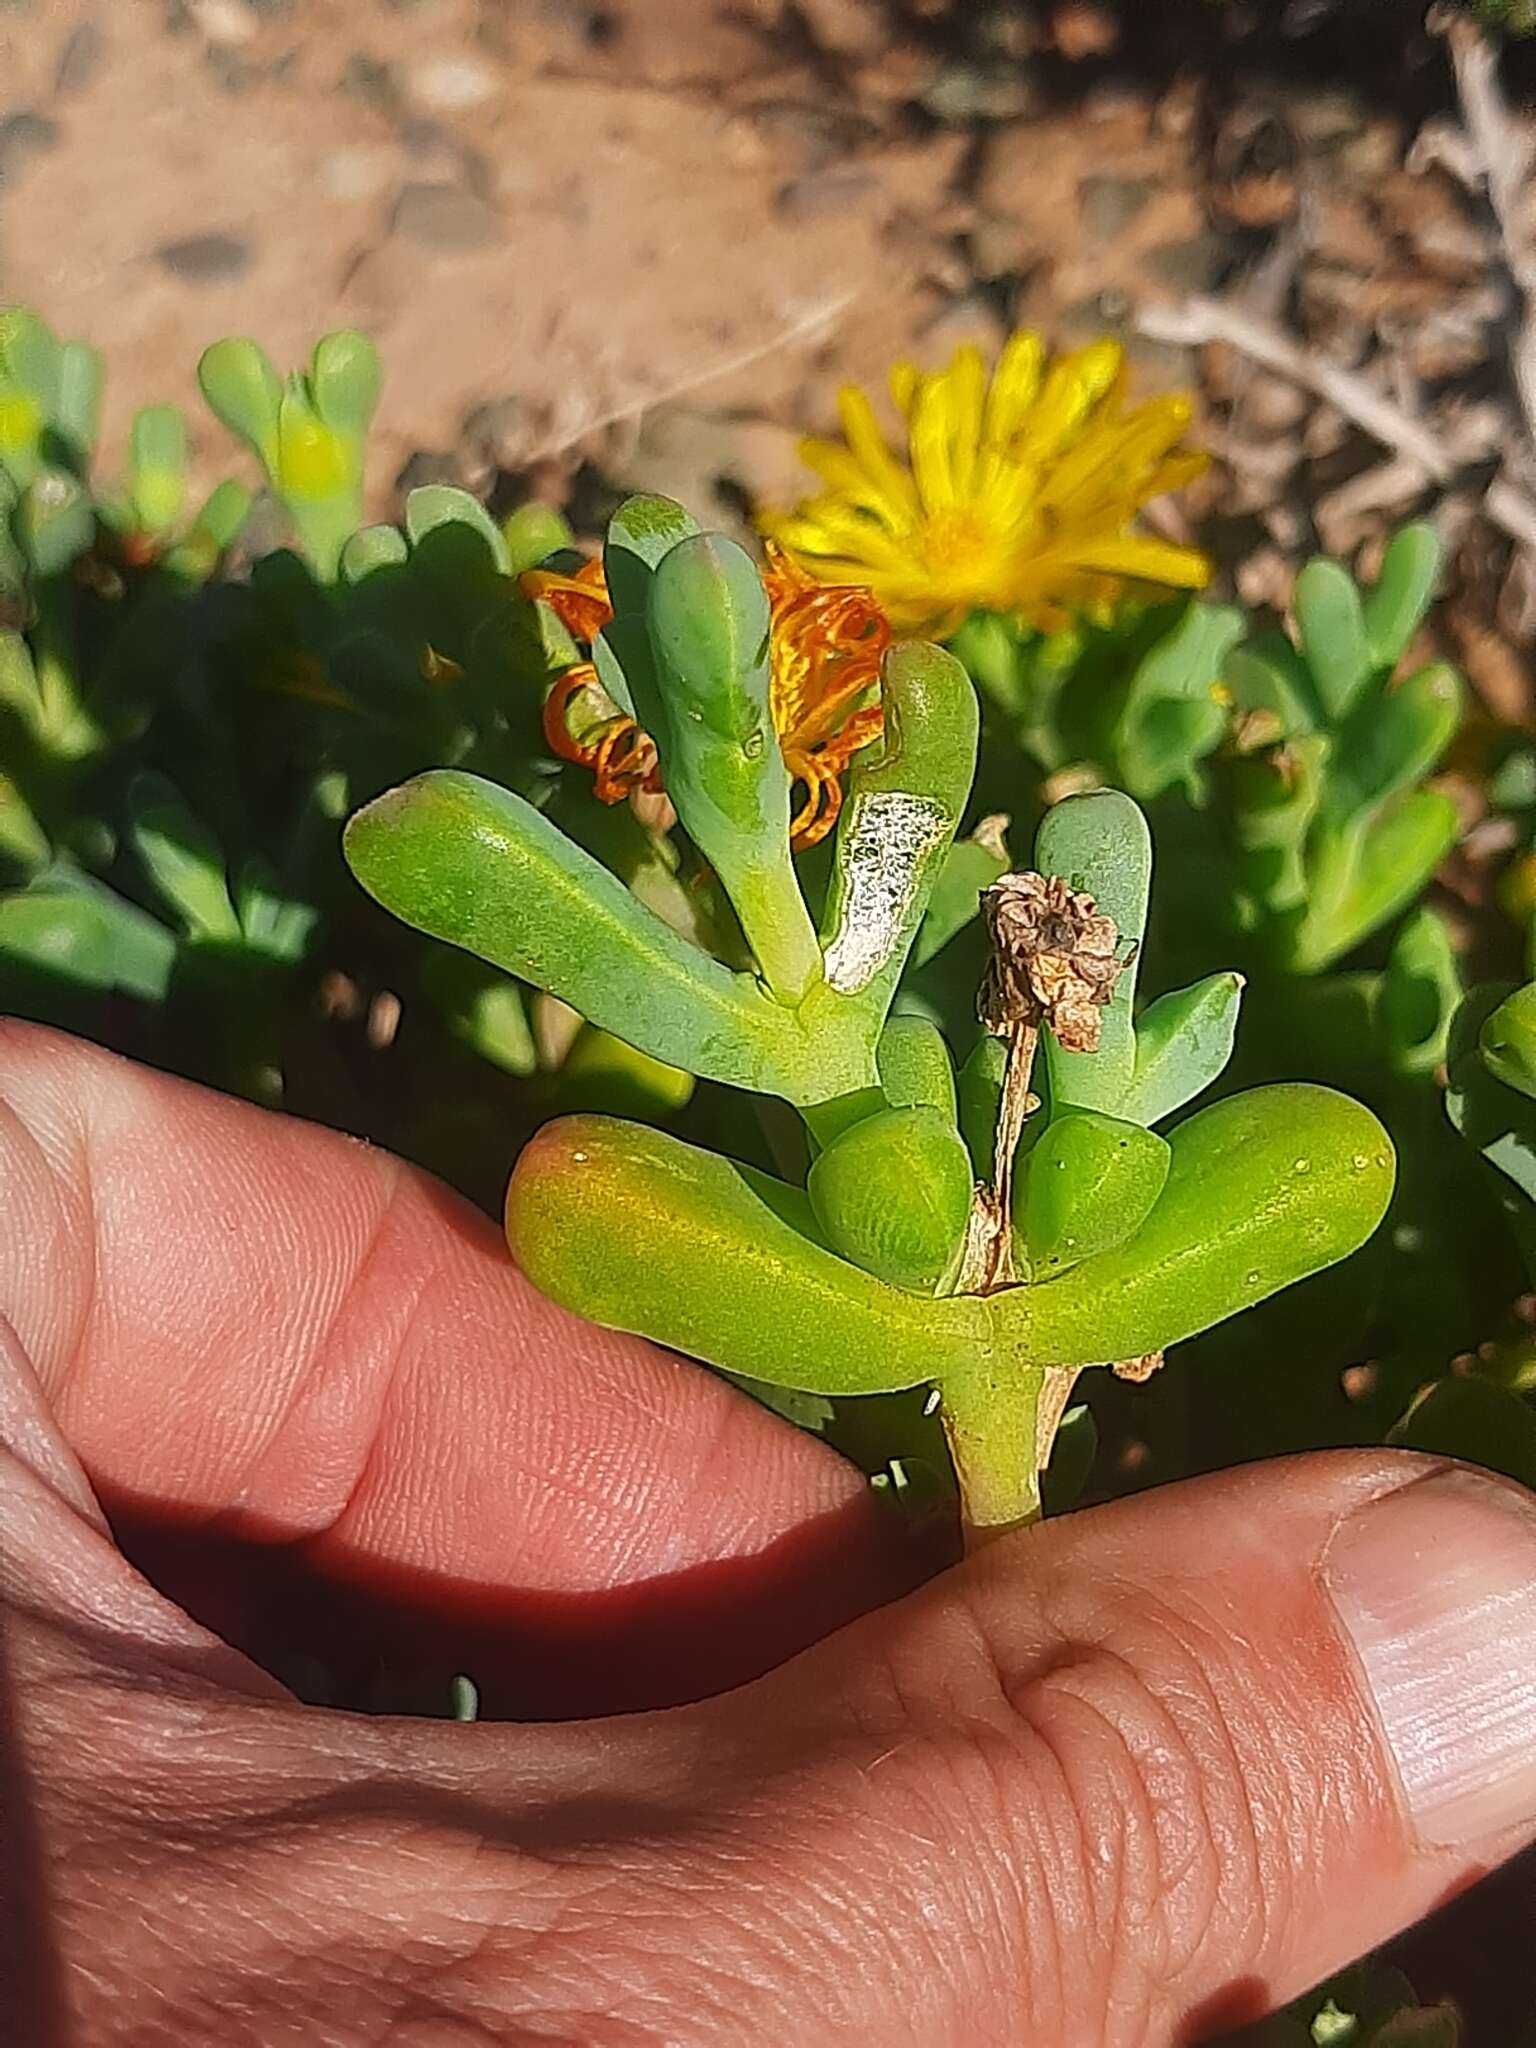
[1073, 386]
[930, 445]
[846, 477]
[867, 445]
[967, 382]
[1146, 559]
[1015, 387]
[903, 379]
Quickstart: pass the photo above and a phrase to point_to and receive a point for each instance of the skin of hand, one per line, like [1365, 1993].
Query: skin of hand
[1127, 1779]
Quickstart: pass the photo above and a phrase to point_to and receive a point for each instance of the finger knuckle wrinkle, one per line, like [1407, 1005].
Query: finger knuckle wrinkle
[1140, 1841]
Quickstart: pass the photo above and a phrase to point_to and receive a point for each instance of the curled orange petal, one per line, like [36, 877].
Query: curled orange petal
[579, 602]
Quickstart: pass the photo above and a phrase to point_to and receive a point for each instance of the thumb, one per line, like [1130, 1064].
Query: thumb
[1152, 1770]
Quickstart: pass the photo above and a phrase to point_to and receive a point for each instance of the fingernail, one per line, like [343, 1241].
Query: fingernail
[1436, 1588]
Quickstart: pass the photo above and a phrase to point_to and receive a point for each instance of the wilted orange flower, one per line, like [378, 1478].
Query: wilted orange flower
[826, 640]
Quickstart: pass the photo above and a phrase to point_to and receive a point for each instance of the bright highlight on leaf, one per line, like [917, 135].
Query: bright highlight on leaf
[1016, 494]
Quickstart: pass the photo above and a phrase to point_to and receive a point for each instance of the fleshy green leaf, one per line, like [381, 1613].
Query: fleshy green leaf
[158, 442]
[638, 1231]
[30, 355]
[1364, 876]
[1263, 1189]
[970, 866]
[1330, 621]
[532, 533]
[1390, 743]
[893, 1193]
[915, 1067]
[344, 379]
[18, 680]
[905, 798]
[371, 548]
[1420, 991]
[182, 859]
[66, 936]
[601, 1072]
[482, 1007]
[271, 922]
[243, 390]
[22, 838]
[69, 924]
[1090, 1182]
[1467, 1417]
[1268, 675]
[1183, 1043]
[1100, 842]
[707, 616]
[1507, 1041]
[435, 505]
[224, 511]
[978, 1097]
[1395, 607]
[1174, 713]
[54, 521]
[474, 864]
[77, 402]
[1497, 1120]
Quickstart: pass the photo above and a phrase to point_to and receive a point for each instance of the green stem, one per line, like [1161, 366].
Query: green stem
[990, 1423]
[1000, 1426]
[66, 729]
[779, 930]
[324, 526]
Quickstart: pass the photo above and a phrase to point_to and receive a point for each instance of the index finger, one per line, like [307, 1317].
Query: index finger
[260, 1330]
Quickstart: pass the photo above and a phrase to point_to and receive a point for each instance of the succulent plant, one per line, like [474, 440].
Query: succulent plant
[1078, 1236]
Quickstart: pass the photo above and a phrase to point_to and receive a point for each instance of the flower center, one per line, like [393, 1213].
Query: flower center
[962, 552]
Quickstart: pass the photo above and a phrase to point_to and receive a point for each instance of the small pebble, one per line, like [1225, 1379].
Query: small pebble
[366, 79]
[1192, 265]
[24, 135]
[964, 92]
[498, 429]
[446, 217]
[228, 22]
[206, 259]
[355, 173]
[234, 73]
[79, 58]
[823, 195]
[1110, 204]
[452, 85]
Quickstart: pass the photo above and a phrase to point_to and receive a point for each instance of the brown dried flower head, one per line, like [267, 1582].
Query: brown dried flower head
[1053, 960]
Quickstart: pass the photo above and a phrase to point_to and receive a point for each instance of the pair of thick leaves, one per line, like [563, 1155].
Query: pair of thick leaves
[307, 430]
[634, 1229]
[1337, 835]
[469, 862]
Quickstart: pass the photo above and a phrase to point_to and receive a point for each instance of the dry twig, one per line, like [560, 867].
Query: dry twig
[1499, 158]
[1201, 320]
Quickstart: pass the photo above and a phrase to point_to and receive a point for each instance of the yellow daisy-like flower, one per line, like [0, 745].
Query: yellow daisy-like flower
[1017, 494]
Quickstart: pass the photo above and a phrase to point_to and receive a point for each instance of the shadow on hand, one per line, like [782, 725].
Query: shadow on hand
[389, 1639]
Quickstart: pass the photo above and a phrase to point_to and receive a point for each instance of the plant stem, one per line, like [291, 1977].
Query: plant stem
[987, 1263]
[1000, 1428]
[779, 929]
[66, 729]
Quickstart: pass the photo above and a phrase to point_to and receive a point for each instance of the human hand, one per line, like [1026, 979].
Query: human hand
[1122, 1780]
